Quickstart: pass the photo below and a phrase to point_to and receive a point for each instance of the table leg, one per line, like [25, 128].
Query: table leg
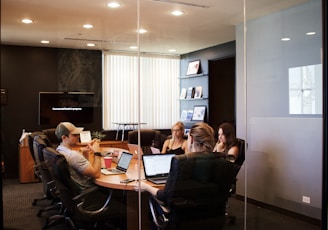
[118, 129]
[123, 132]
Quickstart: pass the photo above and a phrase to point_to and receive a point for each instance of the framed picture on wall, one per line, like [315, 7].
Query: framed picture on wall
[199, 113]
[193, 67]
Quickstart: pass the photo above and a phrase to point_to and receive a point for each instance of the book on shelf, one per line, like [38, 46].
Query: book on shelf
[189, 115]
[183, 93]
[190, 92]
[198, 92]
[183, 116]
[186, 115]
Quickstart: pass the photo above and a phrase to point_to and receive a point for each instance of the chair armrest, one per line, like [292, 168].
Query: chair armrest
[159, 212]
[52, 188]
[83, 196]
[162, 205]
[85, 192]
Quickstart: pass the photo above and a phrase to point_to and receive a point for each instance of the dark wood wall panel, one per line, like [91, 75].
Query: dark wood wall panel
[25, 71]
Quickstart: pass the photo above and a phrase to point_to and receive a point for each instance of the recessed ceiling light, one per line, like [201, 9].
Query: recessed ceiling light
[285, 39]
[113, 4]
[310, 33]
[134, 47]
[45, 42]
[142, 31]
[88, 26]
[27, 21]
[91, 44]
[177, 12]
[172, 50]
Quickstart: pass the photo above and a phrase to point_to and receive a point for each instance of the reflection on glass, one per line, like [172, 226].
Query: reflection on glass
[305, 89]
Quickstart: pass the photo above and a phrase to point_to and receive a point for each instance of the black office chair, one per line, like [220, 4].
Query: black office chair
[51, 135]
[49, 187]
[237, 166]
[86, 209]
[195, 194]
[148, 138]
[37, 173]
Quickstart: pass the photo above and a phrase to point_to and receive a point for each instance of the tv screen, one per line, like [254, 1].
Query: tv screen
[75, 107]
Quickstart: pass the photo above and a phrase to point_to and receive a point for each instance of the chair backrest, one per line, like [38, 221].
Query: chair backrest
[198, 185]
[30, 139]
[59, 169]
[50, 133]
[241, 156]
[148, 137]
[39, 143]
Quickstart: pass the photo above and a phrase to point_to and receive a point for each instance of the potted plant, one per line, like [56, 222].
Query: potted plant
[97, 135]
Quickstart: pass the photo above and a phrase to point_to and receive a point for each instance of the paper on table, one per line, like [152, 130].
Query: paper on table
[85, 137]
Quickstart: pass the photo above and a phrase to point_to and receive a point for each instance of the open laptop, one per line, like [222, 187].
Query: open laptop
[157, 167]
[122, 165]
[134, 149]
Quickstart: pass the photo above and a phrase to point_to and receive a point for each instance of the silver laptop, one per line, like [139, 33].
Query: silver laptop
[157, 167]
[122, 165]
[134, 150]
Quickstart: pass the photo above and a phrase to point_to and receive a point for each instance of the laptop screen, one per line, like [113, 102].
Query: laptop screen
[124, 161]
[157, 164]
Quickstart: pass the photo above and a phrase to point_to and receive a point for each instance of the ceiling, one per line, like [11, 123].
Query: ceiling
[205, 23]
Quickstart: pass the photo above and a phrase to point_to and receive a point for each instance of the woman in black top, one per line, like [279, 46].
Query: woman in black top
[177, 144]
[227, 141]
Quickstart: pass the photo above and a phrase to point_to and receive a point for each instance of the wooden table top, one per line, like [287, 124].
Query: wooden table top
[135, 171]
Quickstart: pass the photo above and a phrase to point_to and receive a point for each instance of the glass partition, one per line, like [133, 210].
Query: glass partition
[279, 76]
[278, 99]
[278, 102]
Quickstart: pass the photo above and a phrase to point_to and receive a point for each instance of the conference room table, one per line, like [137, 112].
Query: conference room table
[132, 203]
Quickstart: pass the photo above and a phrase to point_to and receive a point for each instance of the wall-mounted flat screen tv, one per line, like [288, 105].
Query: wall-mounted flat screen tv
[75, 107]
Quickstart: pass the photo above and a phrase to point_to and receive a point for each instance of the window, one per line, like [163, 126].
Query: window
[159, 90]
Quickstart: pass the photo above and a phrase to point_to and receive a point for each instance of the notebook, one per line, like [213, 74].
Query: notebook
[134, 149]
[122, 165]
[157, 167]
[155, 150]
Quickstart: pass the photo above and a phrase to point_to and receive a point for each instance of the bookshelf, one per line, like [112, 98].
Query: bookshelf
[197, 97]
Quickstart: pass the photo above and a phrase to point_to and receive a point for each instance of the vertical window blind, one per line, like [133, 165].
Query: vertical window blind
[159, 90]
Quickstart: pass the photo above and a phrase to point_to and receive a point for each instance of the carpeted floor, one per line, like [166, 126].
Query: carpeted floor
[19, 213]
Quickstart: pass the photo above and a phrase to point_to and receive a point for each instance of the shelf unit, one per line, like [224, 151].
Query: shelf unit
[189, 103]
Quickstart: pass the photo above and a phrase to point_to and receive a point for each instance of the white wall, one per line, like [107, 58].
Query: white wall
[284, 156]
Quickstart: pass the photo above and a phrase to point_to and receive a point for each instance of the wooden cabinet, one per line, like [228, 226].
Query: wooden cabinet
[26, 165]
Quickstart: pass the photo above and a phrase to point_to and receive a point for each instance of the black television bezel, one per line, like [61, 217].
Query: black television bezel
[80, 120]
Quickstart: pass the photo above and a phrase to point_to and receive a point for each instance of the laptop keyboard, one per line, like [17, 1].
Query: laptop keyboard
[159, 180]
[110, 171]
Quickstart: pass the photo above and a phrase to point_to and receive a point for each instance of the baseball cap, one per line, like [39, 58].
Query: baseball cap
[66, 128]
